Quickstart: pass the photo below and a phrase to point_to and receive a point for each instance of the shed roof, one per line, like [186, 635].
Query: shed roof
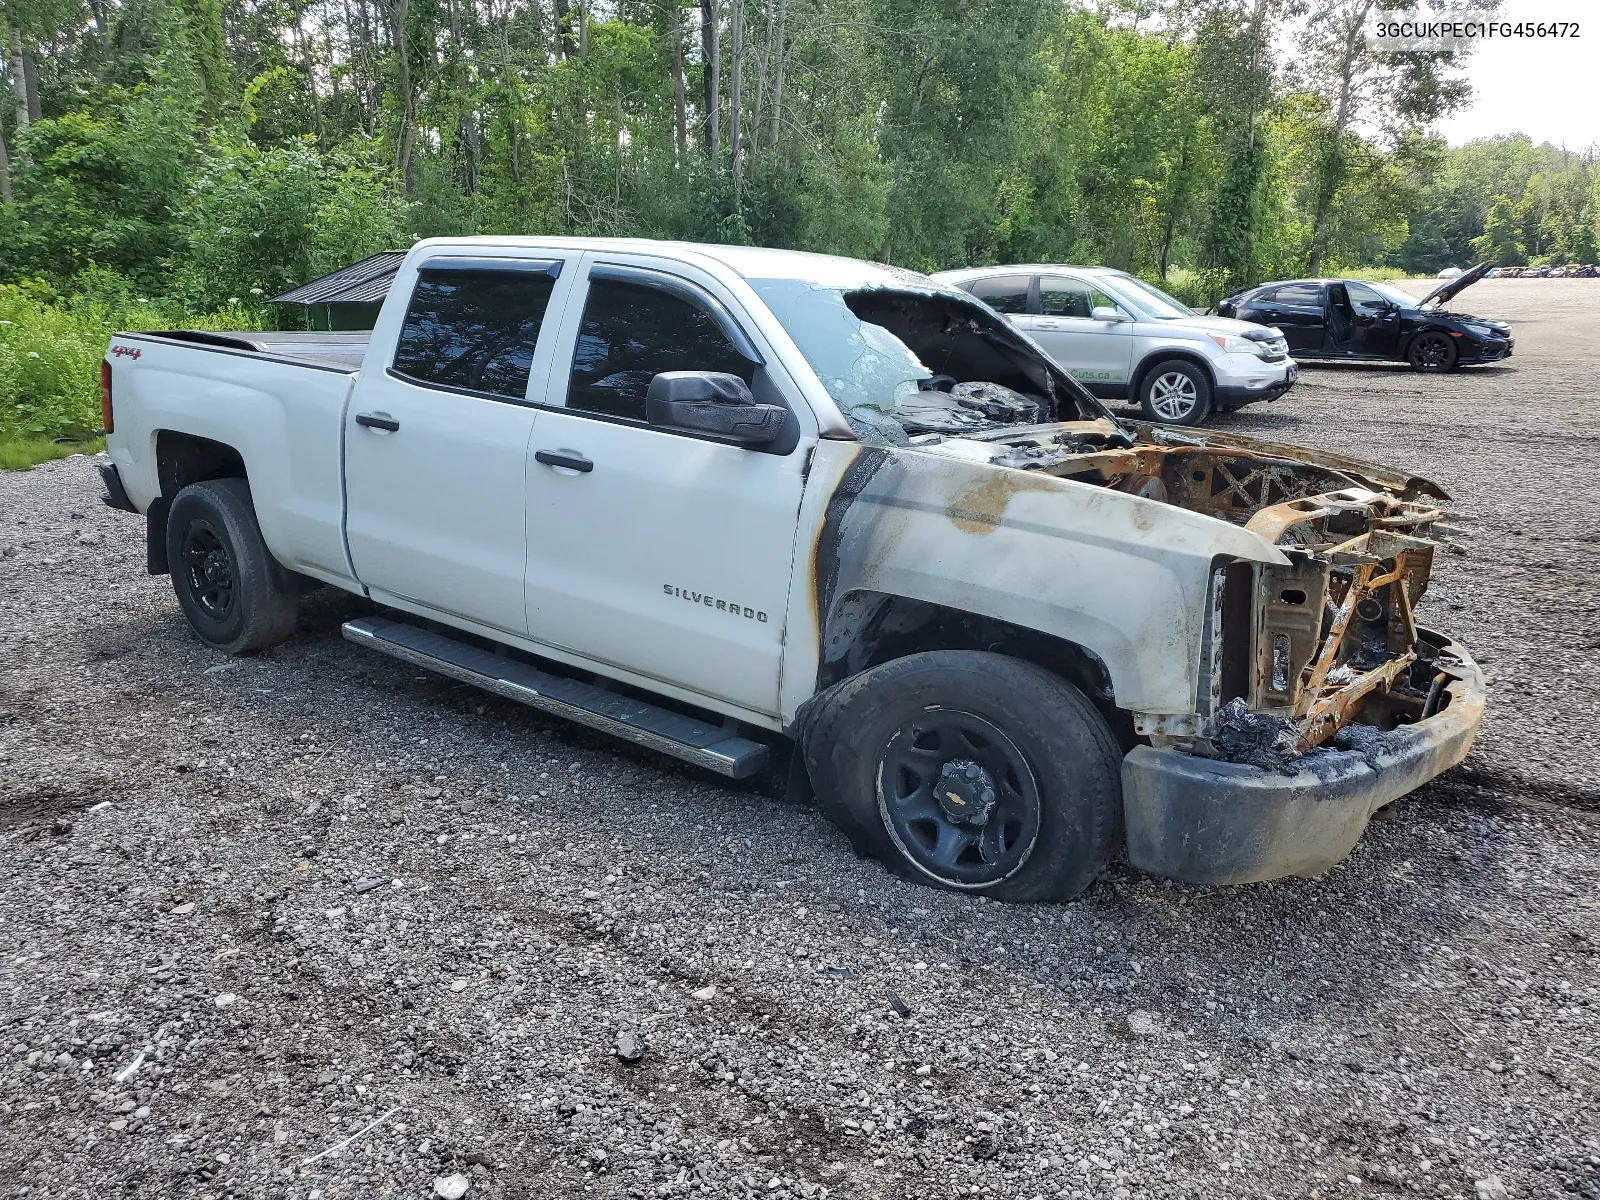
[360, 283]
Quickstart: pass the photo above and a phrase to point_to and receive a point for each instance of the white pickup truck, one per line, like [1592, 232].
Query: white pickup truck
[723, 501]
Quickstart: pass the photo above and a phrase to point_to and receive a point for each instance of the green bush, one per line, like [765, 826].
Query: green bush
[51, 348]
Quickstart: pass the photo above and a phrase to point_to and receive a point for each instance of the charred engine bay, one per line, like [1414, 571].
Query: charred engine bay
[1321, 652]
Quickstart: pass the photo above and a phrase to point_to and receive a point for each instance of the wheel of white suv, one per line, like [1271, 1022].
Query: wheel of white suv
[1175, 392]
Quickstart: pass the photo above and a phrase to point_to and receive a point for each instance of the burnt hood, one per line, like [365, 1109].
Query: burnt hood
[1452, 287]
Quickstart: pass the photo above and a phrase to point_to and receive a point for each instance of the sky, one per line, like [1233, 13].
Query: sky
[1547, 88]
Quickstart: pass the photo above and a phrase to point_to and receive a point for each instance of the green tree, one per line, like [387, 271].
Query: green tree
[1500, 242]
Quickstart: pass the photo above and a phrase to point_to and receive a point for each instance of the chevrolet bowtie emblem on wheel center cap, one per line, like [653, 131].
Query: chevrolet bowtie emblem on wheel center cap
[966, 792]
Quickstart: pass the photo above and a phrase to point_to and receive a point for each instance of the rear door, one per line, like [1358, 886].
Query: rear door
[436, 439]
[1098, 354]
[1298, 310]
[665, 554]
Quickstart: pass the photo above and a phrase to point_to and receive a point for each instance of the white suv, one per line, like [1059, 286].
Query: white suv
[1124, 339]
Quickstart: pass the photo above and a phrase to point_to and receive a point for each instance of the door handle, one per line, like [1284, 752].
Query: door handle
[377, 421]
[569, 459]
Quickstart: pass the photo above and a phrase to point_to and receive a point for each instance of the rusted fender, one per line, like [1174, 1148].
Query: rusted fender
[1119, 575]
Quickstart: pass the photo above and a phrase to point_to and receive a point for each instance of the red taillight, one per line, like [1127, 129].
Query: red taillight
[105, 396]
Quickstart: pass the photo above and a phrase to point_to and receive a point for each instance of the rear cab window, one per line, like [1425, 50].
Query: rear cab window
[474, 329]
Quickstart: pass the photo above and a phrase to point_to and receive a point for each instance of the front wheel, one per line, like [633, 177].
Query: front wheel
[1175, 392]
[238, 598]
[970, 771]
[1432, 352]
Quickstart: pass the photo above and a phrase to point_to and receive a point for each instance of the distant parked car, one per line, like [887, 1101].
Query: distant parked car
[1122, 338]
[1586, 272]
[1351, 319]
[1448, 273]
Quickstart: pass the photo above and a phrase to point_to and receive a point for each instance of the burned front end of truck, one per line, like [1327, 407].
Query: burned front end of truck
[1320, 697]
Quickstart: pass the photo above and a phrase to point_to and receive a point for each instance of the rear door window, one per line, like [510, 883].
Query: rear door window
[1003, 293]
[630, 333]
[1299, 295]
[474, 330]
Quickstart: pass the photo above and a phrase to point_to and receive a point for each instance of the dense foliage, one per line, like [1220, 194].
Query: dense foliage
[206, 154]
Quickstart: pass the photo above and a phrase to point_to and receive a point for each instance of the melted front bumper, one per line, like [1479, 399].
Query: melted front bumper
[1209, 821]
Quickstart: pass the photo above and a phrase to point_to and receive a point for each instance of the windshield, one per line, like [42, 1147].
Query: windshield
[901, 362]
[1148, 299]
[1394, 294]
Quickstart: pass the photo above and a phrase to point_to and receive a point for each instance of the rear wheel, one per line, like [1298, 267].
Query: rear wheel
[1175, 392]
[238, 598]
[1432, 351]
[970, 771]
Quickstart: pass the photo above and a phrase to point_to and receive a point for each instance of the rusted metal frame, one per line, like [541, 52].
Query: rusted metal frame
[1236, 485]
[1329, 713]
[1317, 677]
[1401, 613]
[1426, 516]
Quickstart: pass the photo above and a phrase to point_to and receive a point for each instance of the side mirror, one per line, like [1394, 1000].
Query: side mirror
[712, 402]
[1105, 313]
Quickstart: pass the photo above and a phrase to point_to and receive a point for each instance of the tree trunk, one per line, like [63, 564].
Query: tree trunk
[711, 51]
[566, 36]
[1332, 171]
[303, 43]
[19, 84]
[680, 101]
[405, 142]
[5, 171]
[735, 73]
[1174, 202]
[30, 84]
[781, 55]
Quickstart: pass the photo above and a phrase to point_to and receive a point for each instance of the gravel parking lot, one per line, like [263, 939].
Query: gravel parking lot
[252, 909]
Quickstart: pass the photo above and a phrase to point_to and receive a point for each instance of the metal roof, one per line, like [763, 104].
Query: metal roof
[364, 282]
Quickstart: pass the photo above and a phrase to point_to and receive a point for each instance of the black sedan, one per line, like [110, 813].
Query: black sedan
[1353, 319]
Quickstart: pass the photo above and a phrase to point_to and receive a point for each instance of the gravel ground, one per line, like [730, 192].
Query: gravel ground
[252, 909]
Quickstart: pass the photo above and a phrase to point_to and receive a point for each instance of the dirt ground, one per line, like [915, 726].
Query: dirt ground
[252, 909]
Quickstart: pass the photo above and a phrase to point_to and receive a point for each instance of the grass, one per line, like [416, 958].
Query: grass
[20, 454]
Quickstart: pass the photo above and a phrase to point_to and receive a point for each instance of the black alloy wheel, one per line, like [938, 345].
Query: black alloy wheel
[958, 798]
[209, 563]
[1433, 351]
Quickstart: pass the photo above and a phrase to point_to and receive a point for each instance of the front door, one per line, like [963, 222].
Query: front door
[436, 441]
[665, 554]
[1375, 322]
[1097, 353]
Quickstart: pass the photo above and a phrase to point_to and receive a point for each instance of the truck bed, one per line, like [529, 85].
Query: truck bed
[339, 351]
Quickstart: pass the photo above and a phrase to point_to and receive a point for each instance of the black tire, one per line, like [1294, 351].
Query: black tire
[1175, 392]
[1433, 352]
[238, 598]
[1052, 811]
